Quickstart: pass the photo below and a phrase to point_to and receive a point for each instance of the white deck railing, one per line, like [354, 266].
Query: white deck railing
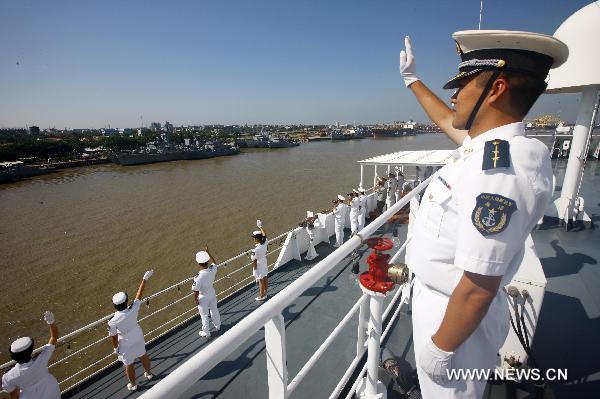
[269, 316]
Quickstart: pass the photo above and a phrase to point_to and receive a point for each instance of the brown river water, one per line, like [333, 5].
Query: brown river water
[69, 240]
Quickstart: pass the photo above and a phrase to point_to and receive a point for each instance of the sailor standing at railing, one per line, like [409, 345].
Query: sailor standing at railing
[362, 198]
[29, 378]
[204, 292]
[126, 334]
[354, 211]
[475, 215]
[260, 266]
[339, 214]
[390, 186]
[399, 186]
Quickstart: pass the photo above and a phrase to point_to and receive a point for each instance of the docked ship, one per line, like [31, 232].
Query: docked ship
[348, 134]
[319, 335]
[17, 170]
[153, 153]
[405, 129]
[263, 140]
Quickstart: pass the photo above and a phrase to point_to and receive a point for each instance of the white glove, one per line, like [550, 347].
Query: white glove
[117, 351]
[148, 274]
[258, 223]
[435, 362]
[408, 65]
[49, 317]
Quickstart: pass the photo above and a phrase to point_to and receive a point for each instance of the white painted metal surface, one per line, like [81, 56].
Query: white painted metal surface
[580, 32]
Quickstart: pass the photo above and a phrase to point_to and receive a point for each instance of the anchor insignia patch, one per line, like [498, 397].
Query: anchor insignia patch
[492, 213]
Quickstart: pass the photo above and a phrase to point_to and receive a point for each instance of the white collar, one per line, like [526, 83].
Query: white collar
[505, 132]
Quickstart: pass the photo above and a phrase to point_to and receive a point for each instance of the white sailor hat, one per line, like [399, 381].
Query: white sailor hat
[21, 344]
[119, 298]
[362, 190]
[202, 257]
[256, 233]
[341, 198]
[355, 190]
[530, 53]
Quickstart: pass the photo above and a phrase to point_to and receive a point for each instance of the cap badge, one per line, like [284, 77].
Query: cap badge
[500, 63]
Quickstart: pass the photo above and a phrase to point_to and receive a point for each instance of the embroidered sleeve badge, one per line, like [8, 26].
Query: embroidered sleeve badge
[492, 213]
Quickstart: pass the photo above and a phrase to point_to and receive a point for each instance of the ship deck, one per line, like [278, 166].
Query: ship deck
[567, 334]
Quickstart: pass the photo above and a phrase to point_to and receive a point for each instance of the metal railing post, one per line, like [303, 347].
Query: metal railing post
[363, 322]
[276, 358]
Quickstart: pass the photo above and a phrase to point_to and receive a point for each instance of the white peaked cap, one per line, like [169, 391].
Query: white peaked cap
[341, 198]
[119, 298]
[202, 257]
[21, 344]
[355, 191]
[257, 233]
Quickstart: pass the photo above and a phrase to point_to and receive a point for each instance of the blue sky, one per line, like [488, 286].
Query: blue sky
[90, 64]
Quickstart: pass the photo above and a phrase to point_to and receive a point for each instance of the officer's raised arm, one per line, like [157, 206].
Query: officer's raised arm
[211, 258]
[437, 110]
[140, 290]
[49, 318]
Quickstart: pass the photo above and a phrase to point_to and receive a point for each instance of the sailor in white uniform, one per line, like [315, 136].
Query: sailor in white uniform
[126, 334]
[29, 378]
[390, 185]
[204, 292]
[399, 186]
[260, 266]
[312, 224]
[469, 234]
[354, 211]
[362, 198]
[339, 213]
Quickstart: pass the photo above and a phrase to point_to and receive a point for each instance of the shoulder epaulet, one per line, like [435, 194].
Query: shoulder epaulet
[496, 154]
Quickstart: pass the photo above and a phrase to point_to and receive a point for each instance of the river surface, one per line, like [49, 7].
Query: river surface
[69, 240]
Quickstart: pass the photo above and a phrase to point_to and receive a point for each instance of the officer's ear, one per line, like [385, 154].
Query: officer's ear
[499, 91]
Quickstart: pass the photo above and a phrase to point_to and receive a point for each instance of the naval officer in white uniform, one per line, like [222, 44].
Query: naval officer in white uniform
[204, 292]
[339, 214]
[469, 234]
[260, 265]
[126, 334]
[390, 185]
[362, 198]
[354, 211]
[29, 378]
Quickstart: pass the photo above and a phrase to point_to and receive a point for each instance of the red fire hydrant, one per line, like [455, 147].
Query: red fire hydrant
[376, 279]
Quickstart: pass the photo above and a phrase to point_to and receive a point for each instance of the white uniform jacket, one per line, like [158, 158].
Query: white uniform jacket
[203, 282]
[125, 325]
[477, 220]
[33, 378]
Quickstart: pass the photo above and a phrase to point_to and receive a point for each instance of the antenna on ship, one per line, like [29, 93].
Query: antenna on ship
[480, 12]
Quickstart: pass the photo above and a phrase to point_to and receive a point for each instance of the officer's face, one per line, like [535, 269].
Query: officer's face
[463, 100]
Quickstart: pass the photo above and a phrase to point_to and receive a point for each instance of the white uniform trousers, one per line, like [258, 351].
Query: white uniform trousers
[208, 305]
[354, 221]
[339, 233]
[361, 218]
[479, 351]
[389, 201]
[398, 195]
[311, 253]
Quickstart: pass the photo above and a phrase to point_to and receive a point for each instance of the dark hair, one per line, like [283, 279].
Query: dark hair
[262, 239]
[23, 356]
[122, 306]
[523, 89]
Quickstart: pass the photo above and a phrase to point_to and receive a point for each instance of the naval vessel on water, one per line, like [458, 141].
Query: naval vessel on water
[320, 334]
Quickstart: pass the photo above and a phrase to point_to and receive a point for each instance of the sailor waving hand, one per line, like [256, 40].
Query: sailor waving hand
[126, 334]
[204, 292]
[477, 212]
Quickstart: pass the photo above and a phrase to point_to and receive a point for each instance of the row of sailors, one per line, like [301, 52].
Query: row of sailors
[30, 378]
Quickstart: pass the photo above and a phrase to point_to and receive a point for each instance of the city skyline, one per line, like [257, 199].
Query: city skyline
[91, 65]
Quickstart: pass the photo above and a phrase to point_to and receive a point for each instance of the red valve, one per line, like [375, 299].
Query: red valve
[376, 279]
